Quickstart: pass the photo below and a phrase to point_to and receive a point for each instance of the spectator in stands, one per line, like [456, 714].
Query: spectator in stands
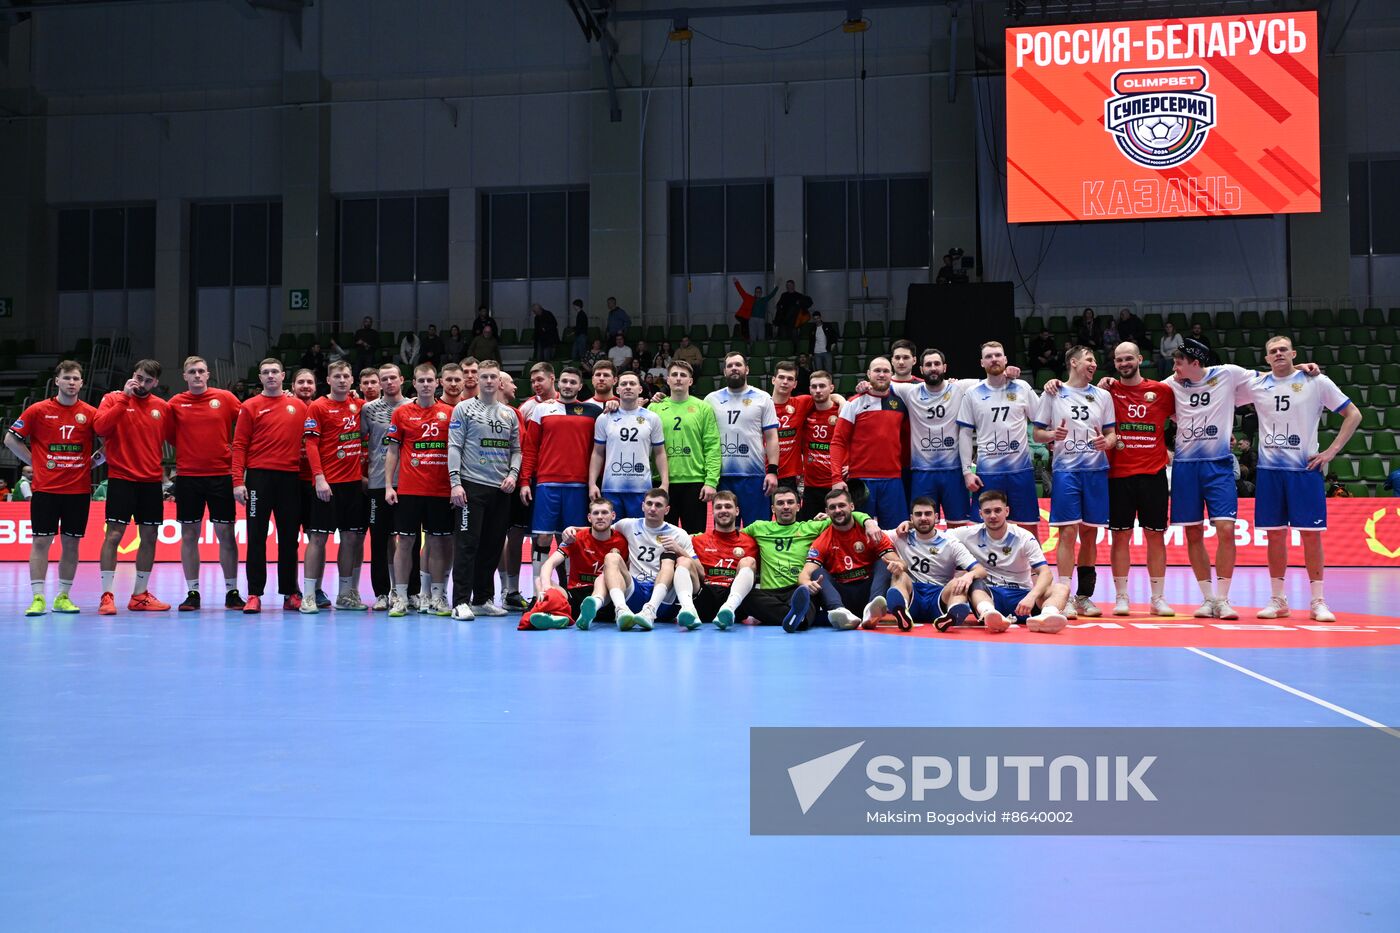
[619, 352]
[1198, 333]
[753, 311]
[1248, 458]
[25, 490]
[690, 353]
[1130, 327]
[1065, 347]
[824, 339]
[594, 354]
[240, 389]
[1043, 353]
[580, 330]
[804, 375]
[5, 490]
[661, 360]
[1392, 482]
[315, 360]
[791, 303]
[1335, 488]
[1244, 487]
[335, 353]
[1087, 329]
[433, 349]
[546, 332]
[410, 351]
[485, 346]
[618, 319]
[454, 345]
[483, 317]
[653, 384]
[1110, 337]
[1171, 342]
[642, 353]
[366, 344]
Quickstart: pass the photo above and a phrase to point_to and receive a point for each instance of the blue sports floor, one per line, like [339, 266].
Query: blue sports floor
[221, 772]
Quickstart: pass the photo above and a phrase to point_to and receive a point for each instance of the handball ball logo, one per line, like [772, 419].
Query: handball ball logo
[1160, 118]
[1373, 542]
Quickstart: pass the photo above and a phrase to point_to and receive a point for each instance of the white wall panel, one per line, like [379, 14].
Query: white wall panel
[214, 322]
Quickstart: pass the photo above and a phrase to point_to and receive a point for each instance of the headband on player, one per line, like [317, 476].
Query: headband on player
[1195, 350]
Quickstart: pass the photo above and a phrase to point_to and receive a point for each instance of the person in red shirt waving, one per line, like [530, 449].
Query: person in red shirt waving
[59, 432]
[844, 568]
[200, 427]
[587, 593]
[131, 424]
[724, 567]
[266, 456]
[335, 449]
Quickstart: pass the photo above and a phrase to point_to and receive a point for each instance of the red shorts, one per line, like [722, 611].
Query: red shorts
[553, 603]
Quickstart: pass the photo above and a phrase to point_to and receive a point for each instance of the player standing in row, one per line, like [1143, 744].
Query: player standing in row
[849, 572]
[267, 451]
[335, 448]
[692, 449]
[554, 458]
[59, 433]
[132, 425]
[903, 353]
[200, 427]
[998, 411]
[542, 388]
[483, 464]
[604, 382]
[1079, 421]
[722, 573]
[792, 415]
[369, 384]
[818, 429]
[375, 420]
[1290, 492]
[869, 430]
[304, 389]
[748, 435]
[935, 467]
[418, 456]
[1019, 585]
[624, 442]
[938, 572]
[586, 595]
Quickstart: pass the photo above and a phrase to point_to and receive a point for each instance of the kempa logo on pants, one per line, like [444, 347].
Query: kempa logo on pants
[252, 503]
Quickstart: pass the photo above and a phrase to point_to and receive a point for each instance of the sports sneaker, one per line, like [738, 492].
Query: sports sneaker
[107, 606]
[38, 607]
[1120, 605]
[1223, 609]
[397, 608]
[61, 603]
[253, 605]
[146, 602]
[1276, 609]
[350, 602]
[488, 609]
[290, 602]
[417, 603]
[1070, 611]
[308, 607]
[437, 606]
[1084, 606]
[1049, 622]
[646, 620]
[1319, 612]
[191, 603]
[995, 622]
[543, 620]
[1160, 607]
[515, 602]
[724, 619]
[587, 612]
[463, 613]
[872, 614]
[380, 603]
[842, 619]
[628, 621]
[688, 620]
[322, 600]
[1206, 610]
[232, 600]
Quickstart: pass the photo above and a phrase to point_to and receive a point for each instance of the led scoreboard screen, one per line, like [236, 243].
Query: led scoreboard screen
[1205, 117]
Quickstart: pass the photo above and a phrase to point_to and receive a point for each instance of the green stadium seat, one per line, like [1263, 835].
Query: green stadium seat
[1297, 317]
[1357, 446]
[1385, 335]
[634, 333]
[1248, 357]
[1348, 356]
[1335, 337]
[527, 338]
[1153, 322]
[1324, 317]
[1250, 319]
[1391, 419]
[1344, 467]
[1389, 374]
[509, 337]
[758, 366]
[1179, 321]
[655, 334]
[1274, 319]
[1323, 356]
[852, 330]
[1371, 420]
[847, 385]
[1348, 317]
[875, 329]
[757, 348]
[1383, 443]
[699, 333]
[719, 331]
[1058, 324]
[1392, 317]
[1203, 319]
[1308, 337]
[714, 349]
[387, 340]
[1358, 490]
[1225, 320]
[1371, 469]
[709, 366]
[852, 363]
[1043, 376]
[1378, 396]
[674, 333]
[1373, 317]
[896, 329]
[286, 341]
[1376, 354]
[785, 349]
[1033, 325]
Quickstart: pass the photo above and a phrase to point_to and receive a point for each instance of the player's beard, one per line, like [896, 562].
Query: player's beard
[735, 383]
[934, 383]
[1131, 373]
[139, 392]
[996, 370]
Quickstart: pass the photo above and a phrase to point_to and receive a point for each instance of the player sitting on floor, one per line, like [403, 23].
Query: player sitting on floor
[713, 586]
[845, 569]
[940, 572]
[1011, 555]
[587, 593]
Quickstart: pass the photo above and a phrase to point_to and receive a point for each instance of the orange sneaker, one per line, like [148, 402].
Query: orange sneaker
[108, 605]
[146, 602]
[252, 605]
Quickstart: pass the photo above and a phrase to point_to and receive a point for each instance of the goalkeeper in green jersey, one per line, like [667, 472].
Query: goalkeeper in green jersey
[782, 552]
[692, 449]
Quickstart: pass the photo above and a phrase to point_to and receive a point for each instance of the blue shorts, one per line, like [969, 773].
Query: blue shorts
[641, 592]
[946, 489]
[1290, 499]
[1201, 485]
[1005, 599]
[1019, 488]
[885, 501]
[754, 506]
[925, 606]
[627, 504]
[1079, 497]
[559, 506]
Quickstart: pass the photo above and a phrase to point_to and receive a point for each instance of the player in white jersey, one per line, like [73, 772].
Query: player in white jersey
[640, 588]
[1290, 492]
[1079, 421]
[624, 441]
[748, 440]
[1019, 583]
[941, 571]
[999, 410]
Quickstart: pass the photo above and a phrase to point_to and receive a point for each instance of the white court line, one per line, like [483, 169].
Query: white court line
[1299, 693]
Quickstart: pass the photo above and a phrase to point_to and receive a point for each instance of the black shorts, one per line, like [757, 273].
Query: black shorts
[788, 482]
[129, 499]
[521, 515]
[50, 510]
[710, 597]
[194, 493]
[432, 514]
[578, 594]
[308, 497]
[345, 511]
[1144, 498]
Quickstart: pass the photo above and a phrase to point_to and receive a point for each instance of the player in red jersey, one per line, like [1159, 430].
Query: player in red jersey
[200, 427]
[304, 388]
[369, 384]
[471, 377]
[818, 428]
[587, 593]
[868, 432]
[132, 426]
[417, 455]
[267, 449]
[454, 384]
[846, 569]
[724, 567]
[792, 415]
[59, 432]
[336, 449]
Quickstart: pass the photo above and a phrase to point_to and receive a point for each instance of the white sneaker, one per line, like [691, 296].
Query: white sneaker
[995, 622]
[309, 607]
[1206, 610]
[1160, 607]
[646, 619]
[873, 611]
[1049, 622]
[1223, 609]
[381, 603]
[842, 619]
[417, 603]
[1276, 609]
[463, 613]
[1121, 606]
[437, 605]
[488, 609]
[1084, 606]
[1320, 612]
[1070, 611]
[397, 607]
